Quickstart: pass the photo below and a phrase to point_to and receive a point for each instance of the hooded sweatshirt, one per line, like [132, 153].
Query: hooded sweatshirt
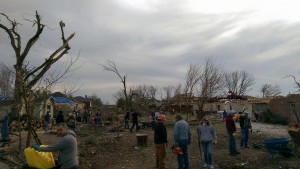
[67, 148]
[206, 133]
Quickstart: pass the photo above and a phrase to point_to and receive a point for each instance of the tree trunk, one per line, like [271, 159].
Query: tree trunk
[29, 124]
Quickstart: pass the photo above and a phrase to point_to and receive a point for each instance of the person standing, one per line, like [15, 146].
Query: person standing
[5, 129]
[154, 122]
[126, 120]
[231, 131]
[98, 119]
[85, 116]
[60, 117]
[134, 116]
[245, 124]
[157, 113]
[182, 136]
[46, 121]
[161, 141]
[224, 114]
[207, 136]
[66, 148]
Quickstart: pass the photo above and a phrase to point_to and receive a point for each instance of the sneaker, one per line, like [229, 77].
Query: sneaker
[232, 154]
[247, 147]
[237, 152]
[205, 165]
[211, 167]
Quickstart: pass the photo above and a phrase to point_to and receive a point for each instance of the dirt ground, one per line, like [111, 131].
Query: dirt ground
[100, 149]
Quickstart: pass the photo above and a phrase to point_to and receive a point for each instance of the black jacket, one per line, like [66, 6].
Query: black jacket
[160, 133]
[245, 122]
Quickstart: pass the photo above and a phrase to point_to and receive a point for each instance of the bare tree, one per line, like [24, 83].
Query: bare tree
[152, 90]
[297, 84]
[96, 103]
[168, 91]
[192, 78]
[111, 66]
[26, 76]
[143, 97]
[167, 96]
[238, 82]
[70, 88]
[210, 83]
[177, 96]
[269, 90]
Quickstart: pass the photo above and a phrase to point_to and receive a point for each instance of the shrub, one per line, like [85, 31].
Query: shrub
[269, 117]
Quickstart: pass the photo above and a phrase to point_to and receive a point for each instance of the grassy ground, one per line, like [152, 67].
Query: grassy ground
[105, 152]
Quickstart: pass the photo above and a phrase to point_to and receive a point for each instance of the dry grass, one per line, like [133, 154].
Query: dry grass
[107, 151]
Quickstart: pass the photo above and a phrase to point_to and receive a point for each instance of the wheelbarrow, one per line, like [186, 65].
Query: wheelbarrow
[278, 146]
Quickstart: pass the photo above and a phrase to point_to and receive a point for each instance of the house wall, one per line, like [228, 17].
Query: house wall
[260, 107]
[281, 106]
[236, 105]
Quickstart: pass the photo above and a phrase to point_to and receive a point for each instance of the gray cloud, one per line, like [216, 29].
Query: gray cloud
[155, 45]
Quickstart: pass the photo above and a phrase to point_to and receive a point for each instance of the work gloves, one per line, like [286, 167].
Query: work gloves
[36, 146]
[234, 134]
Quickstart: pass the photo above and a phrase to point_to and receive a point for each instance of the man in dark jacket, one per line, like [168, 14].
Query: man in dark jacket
[60, 117]
[231, 130]
[126, 120]
[135, 123]
[245, 124]
[160, 140]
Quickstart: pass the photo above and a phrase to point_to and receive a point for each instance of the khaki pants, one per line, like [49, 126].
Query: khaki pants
[160, 155]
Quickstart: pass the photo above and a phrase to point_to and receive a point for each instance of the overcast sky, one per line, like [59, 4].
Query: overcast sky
[154, 41]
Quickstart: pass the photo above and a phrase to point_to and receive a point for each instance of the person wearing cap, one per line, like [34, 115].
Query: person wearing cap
[245, 124]
[207, 136]
[161, 141]
[182, 137]
[231, 131]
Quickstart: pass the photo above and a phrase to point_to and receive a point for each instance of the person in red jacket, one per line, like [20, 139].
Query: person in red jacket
[231, 130]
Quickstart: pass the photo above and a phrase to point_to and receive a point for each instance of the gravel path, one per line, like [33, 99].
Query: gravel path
[270, 130]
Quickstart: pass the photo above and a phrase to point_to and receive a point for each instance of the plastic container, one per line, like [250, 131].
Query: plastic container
[42, 160]
[276, 143]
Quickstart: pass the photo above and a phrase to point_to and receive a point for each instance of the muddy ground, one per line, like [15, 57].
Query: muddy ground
[101, 148]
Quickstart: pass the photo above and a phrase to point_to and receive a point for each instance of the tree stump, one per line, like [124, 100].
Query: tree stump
[142, 139]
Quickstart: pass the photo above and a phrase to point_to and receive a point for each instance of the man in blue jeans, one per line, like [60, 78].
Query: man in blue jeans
[231, 130]
[245, 124]
[207, 136]
[182, 136]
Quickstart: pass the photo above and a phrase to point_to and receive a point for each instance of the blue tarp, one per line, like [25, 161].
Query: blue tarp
[63, 100]
[2, 97]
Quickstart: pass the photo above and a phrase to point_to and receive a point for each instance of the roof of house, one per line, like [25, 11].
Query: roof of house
[82, 99]
[63, 100]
